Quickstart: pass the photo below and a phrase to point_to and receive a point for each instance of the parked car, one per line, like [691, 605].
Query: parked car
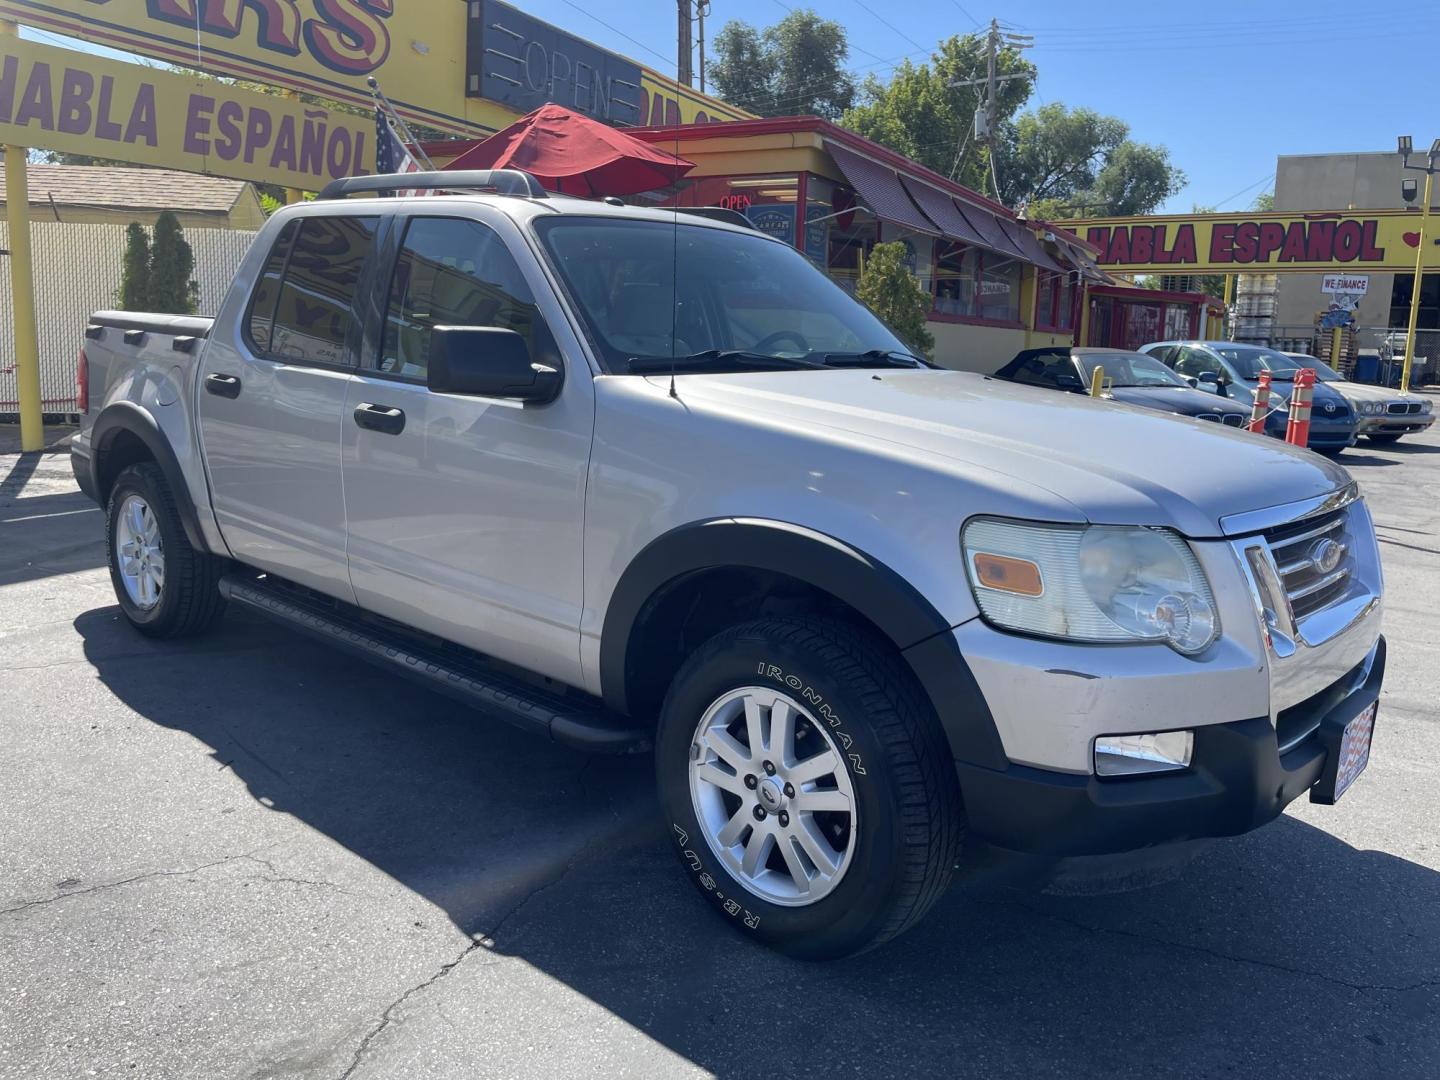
[625, 477]
[1131, 377]
[1384, 415]
[1219, 365]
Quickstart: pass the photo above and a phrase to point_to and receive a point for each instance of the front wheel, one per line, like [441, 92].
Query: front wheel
[808, 786]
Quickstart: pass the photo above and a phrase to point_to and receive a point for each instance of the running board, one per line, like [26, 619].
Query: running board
[458, 673]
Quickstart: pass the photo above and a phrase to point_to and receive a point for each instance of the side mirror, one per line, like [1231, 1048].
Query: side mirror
[1210, 377]
[488, 361]
[1191, 381]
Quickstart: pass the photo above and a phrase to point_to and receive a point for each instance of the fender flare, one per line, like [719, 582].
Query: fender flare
[863, 583]
[126, 416]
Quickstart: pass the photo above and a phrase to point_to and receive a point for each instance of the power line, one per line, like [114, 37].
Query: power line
[879, 18]
[978, 24]
[1248, 187]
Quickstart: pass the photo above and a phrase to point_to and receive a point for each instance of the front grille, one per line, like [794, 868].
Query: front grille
[1331, 411]
[1403, 408]
[1295, 548]
[1233, 420]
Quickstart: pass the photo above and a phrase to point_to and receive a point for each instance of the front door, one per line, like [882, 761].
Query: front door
[272, 402]
[466, 514]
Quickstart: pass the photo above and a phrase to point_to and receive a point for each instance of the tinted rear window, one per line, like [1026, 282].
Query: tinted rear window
[315, 309]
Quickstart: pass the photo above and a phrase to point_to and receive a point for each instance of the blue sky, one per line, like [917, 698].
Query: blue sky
[1226, 85]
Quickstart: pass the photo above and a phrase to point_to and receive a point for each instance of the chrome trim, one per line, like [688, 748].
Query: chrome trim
[1253, 521]
[1291, 541]
[1319, 584]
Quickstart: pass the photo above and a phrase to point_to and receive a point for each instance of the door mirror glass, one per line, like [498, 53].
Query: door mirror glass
[488, 361]
[1211, 377]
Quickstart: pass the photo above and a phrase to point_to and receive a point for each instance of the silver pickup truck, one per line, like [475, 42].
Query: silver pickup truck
[633, 478]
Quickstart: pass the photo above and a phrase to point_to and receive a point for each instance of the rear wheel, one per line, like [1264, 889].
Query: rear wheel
[809, 788]
[165, 586]
[1383, 439]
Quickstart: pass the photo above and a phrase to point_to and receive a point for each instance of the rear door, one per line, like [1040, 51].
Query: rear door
[466, 514]
[272, 401]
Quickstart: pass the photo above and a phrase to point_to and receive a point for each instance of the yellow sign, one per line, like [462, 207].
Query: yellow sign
[1349, 240]
[59, 99]
[417, 49]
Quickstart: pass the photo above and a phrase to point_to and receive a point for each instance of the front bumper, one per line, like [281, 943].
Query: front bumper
[1238, 780]
[1382, 424]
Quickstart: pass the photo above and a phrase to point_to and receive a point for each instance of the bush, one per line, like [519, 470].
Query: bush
[135, 275]
[892, 292]
[172, 290]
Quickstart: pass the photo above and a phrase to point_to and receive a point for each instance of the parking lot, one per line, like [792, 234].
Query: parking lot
[250, 856]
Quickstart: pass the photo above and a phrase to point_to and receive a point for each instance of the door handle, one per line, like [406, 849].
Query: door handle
[223, 385]
[382, 418]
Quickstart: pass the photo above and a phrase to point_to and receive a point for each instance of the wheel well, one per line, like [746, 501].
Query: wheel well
[120, 451]
[690, 609]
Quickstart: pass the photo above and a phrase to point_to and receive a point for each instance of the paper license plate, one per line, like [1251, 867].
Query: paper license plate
[1355, 749]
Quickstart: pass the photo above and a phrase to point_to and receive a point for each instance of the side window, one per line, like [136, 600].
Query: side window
[315, 308]
[452, 272]
[1194, 362]
[262, 301]
[1165, 354]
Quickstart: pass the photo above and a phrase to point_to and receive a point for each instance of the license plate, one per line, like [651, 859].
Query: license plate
[1355, 749]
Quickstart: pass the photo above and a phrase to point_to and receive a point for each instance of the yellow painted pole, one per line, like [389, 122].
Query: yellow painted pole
[1415, 289]
[22, 288]
[292, 194]
[1097, 380]
[1082, 336]
[1335, 348]
[1229, 299]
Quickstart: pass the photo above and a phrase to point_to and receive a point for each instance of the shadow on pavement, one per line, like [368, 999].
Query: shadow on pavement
[1286, 952]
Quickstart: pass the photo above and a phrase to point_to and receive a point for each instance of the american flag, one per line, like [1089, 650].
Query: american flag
[391, 155]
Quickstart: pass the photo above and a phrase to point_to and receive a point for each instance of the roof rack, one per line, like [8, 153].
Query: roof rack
[500, 181]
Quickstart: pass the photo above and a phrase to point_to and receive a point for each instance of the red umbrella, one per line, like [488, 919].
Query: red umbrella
[571, 153]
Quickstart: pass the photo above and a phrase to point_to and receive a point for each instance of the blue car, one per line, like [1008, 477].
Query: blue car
[1232, 369]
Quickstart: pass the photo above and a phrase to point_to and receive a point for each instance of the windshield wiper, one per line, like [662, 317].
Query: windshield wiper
[718, 360]
[875, 358]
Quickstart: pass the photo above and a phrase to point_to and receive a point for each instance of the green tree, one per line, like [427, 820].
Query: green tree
[135, 270]
[921, 113]
[1066, 163]
[892, 292]
[172, 290]
[795, 67]
[1264, 202]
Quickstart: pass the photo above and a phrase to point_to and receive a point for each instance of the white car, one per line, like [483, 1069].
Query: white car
[1382, 414]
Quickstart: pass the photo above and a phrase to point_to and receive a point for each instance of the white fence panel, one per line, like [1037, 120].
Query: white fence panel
[77, 271]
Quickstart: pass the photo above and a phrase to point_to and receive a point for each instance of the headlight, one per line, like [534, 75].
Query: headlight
[1375, 407]
[1098, 584]
[1425, 406]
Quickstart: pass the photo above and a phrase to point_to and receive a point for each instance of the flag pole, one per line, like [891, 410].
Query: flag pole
[383, 104]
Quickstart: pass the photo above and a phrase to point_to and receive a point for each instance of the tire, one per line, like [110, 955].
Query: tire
[187, 598]
[895, 850]
[1383, 440]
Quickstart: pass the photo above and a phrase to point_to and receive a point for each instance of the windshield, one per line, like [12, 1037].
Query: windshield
[650, 291]
[1323, 371]
[1130, 369]
[1250, 360]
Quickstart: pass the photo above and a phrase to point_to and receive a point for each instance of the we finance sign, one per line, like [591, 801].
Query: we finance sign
[1228, 243]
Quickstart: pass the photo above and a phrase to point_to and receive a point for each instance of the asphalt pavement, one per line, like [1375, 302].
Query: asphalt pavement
[250, 856]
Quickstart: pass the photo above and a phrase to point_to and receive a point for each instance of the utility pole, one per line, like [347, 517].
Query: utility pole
[684, 71]
[702, 9]
[983, 129]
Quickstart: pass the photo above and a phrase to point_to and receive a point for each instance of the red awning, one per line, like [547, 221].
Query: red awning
[989, 225]
[1036, 253]
[939, 209]
[879, 189]
[571, 153]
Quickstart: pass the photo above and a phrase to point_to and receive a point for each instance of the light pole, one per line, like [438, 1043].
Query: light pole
[1407, 189]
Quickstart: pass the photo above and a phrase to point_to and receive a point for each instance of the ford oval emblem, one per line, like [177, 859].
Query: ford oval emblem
[1326, 554]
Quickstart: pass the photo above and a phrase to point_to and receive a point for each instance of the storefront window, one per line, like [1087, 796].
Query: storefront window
[919, 251]
[999, 287]
[1054, 300]
[837, 231]
[955, 272]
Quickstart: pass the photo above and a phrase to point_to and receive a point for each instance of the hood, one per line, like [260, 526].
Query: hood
[1115, 463]
[1179, 399]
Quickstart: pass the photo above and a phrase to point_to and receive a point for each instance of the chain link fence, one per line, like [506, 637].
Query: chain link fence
[77, 271]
